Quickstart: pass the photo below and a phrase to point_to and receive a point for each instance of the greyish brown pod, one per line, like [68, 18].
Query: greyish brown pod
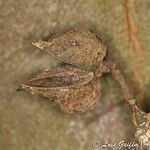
[70, 88]
[78, 47]
[76, 87]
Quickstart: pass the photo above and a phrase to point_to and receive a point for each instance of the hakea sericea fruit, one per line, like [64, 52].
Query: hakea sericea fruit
[75, 87]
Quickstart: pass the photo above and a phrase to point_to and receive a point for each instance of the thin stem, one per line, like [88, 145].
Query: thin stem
[110, 66]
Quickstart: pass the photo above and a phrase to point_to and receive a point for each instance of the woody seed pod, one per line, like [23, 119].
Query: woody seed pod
[70, 88]
[76, 88]
[78, 47]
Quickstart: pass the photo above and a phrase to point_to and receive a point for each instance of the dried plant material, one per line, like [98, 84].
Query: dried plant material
[78, 89]
[78, 47]
[135, 46]
[140, 119]
[143, 131]
[72, 89]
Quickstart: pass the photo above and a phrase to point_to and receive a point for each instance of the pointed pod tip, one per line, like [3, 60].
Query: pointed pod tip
[19, 89]
[34, 43]
[40, 44]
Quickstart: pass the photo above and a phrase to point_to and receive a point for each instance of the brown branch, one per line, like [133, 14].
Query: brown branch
[133, 41]
[125, 6]
[109, 66]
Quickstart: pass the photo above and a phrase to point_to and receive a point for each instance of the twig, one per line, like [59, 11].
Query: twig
[140, 119]
[109, 66]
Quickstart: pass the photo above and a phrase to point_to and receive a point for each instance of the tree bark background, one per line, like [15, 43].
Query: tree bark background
[32, 122]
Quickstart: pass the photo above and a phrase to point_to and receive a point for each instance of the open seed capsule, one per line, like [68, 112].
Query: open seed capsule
[78, 47]
[72, 89]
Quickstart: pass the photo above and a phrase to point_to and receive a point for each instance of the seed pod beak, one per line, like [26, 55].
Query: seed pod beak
[20, 89]
[43, 45]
